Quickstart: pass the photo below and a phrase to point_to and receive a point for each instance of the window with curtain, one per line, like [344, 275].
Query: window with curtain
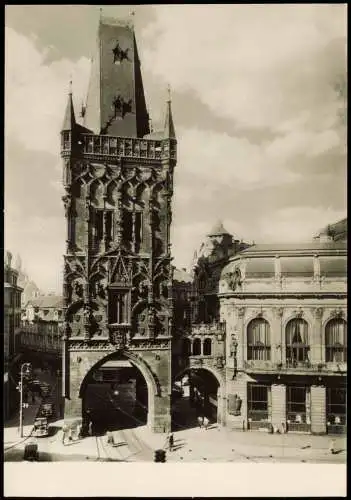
[258, 340]
[297, 342]
[336, 341]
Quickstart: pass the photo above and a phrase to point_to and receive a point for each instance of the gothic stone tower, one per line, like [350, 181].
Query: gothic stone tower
[118, 181]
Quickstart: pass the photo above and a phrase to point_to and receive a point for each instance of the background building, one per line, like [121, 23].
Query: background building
[12, 319]
[30, 289]
[46, 311]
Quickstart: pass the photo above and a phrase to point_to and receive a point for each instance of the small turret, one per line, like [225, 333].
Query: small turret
[69, 120]
[169, 131]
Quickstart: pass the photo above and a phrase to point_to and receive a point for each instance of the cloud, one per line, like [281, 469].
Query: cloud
[296, 224]
[36, 92]
[40, 240]
[260, 65]
[256, 114]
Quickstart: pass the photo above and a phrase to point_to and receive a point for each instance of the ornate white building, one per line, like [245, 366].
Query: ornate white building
[270, 324]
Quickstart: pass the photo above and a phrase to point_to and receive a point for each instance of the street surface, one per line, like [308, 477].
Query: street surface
[191, 444]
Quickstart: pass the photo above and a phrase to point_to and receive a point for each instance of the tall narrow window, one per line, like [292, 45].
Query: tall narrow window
[336, 341]
[109, 225]
[297, 417]
[257, 403]
[186, 347]
[336, 410]
[258, 340]
[197, 347]
[138, 231]
[207, 347]
[98, 227]
[297, 345]
[127, 227]
[118, 307]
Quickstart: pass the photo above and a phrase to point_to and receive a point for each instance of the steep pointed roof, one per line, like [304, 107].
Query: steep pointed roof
[218, 229]
[116, 102]
[169, 131]
[69, 120]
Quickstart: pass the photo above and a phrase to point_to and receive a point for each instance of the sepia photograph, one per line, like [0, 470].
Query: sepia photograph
[175, 247]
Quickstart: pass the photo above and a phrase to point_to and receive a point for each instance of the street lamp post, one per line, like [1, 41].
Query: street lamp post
[25, 368]
[234, 353]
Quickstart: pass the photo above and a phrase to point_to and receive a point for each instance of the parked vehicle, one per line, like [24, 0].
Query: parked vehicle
[41, 427]
[47, 409]
[31, 453]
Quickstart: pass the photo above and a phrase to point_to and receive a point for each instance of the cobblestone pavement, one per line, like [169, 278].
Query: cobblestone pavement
[191, 445]
[217, 444]
[222, 445]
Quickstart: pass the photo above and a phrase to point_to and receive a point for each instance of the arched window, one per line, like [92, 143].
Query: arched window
[297, 344]
[186, 347]
[197, 347]
[207, 347]
[258, 340]
[336, 341]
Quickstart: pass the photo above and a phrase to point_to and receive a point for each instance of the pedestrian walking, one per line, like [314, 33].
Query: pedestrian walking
[171, 442]
[79, 431]
[90, 427]
[64, 434]
[332, 447]
[200, 421]
[206, 422]
[110, 439]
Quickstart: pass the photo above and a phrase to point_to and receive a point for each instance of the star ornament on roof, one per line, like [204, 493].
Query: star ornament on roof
[119, 55]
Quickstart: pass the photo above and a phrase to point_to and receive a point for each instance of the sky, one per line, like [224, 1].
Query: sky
[257, 106]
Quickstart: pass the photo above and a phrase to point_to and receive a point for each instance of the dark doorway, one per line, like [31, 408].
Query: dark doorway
[196, 398]
[115, 397]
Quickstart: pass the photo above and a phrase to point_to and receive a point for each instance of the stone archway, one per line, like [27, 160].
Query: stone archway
[82, 364]
[201, 396]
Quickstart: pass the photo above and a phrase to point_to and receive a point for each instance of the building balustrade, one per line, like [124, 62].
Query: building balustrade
[290, 365]
[124, 147]
[215, 328]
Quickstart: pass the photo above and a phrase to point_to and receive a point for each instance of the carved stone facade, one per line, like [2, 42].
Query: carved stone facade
[287, 342]
[117, 266]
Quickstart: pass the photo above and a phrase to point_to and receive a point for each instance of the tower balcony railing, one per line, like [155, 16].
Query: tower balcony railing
[150, 149]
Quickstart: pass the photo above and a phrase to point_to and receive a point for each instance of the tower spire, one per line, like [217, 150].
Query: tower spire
[69, 120]
[169, 131]
[115, 103]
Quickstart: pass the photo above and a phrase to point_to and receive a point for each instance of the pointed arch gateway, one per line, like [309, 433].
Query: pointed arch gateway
[118, 391]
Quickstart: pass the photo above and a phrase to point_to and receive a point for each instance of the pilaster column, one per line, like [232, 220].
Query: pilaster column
[278, 337]
[241, 348]
[87, 222]
[133, 230]
[317, 341]
[119, 219]
[278, 398]
[67, 200]
[104, 226]
[318, 409]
